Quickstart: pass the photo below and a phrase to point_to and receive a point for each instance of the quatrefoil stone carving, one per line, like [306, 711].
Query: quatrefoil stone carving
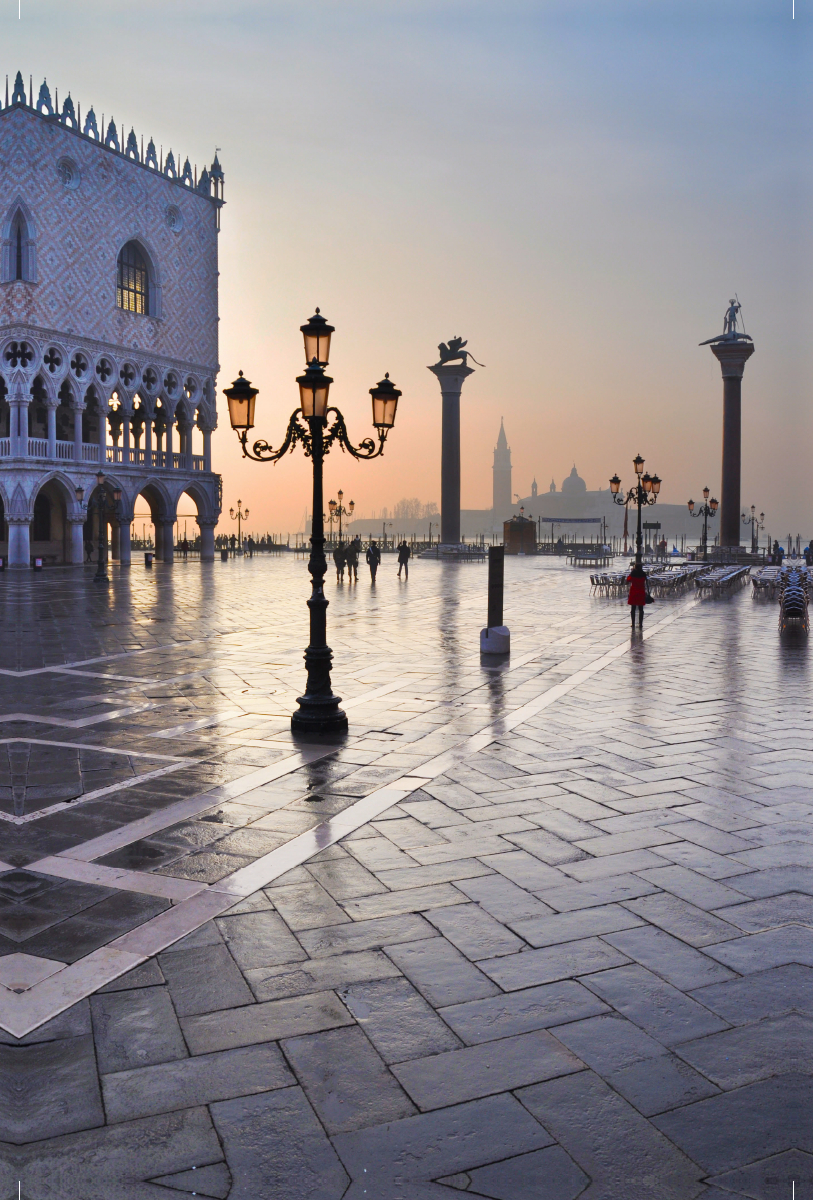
[19, 354]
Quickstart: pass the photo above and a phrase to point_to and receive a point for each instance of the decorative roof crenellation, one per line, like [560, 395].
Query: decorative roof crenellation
[210, 183]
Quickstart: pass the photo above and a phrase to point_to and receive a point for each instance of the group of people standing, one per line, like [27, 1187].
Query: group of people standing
[348, 556]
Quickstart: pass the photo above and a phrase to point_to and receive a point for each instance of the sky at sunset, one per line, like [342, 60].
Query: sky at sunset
[576, 187]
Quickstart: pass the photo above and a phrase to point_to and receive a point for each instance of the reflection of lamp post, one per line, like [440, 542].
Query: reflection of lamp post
[707, 509]
[317, 426]
[644, 492]
[103, 510]
[239, 516]
[756, 525]
[338, 510]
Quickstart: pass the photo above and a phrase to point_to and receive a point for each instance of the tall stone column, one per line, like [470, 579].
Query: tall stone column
[207, 451]
[732, 356]
[451, 378]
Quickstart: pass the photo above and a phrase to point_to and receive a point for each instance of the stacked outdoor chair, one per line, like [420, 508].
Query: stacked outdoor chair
[794, 595]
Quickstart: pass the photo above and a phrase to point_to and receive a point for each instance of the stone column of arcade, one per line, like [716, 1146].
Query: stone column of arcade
[77, 439]
[19, 543]
[52, 407]
[207, 539]
[125, 552]
[76, 525]
[732, 349]
[451, 379]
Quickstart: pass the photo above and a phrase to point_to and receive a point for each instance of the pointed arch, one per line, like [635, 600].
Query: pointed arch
[18, 260]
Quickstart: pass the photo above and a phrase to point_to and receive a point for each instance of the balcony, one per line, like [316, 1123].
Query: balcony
[149, 459]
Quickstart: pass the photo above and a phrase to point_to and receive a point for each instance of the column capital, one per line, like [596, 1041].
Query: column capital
[450, 376]
[732, 357]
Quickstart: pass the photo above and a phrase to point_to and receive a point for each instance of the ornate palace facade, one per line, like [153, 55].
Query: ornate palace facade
[108, 331]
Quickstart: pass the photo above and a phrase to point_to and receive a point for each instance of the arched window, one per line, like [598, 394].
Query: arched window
[133, 282]
[19, 253]
[18, 246]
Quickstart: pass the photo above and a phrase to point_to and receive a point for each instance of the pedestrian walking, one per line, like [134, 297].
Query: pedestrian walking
[185, 547]
[403, 560]
[637, 596]
[232, 543]
[373, 557]
[338, 558]
[88, 550]
[351, 558]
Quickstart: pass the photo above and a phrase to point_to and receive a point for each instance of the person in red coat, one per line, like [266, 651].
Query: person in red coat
[637, 597]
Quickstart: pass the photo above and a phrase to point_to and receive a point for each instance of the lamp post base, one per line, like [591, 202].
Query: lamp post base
[319, 714]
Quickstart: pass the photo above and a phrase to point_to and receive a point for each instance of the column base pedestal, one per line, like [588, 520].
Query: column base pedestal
[496, 640]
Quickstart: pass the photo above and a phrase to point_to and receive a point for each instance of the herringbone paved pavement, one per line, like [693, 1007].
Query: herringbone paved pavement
[564, 950]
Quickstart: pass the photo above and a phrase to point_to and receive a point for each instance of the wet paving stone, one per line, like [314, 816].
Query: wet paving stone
[568, 953]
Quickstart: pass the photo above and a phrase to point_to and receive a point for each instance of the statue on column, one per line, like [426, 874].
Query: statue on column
[455, 350]
[730, 332]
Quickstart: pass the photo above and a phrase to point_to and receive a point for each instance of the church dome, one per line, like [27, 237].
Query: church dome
[574, 485]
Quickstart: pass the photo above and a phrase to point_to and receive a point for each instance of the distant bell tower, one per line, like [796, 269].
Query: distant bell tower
[534, 490]
[503, 495]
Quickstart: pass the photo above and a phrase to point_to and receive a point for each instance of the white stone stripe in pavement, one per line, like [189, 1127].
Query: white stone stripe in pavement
[19, 1014]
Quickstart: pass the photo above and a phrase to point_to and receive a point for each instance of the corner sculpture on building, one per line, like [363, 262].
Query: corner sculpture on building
[108, 331]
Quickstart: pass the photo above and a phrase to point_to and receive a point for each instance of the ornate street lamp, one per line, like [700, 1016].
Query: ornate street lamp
[644, 492]
[707, 509]
[756, 525]
[239, 517]
[104, 510]
[318, 426]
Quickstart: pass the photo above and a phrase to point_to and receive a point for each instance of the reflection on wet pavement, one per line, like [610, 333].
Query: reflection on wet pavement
[532, 924]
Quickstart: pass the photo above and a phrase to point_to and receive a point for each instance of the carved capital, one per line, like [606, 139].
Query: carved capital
[732, 357]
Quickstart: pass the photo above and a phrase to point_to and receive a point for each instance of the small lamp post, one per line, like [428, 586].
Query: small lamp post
[104, 510]
[756, 524]
[644, 492]
[318, 426]
[239, 517]
[339, 510]
[707, 509]
[330, 518]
